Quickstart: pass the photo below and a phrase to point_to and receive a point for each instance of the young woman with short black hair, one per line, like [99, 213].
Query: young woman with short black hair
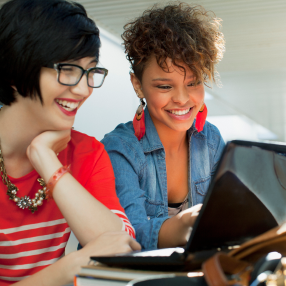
[54, 179]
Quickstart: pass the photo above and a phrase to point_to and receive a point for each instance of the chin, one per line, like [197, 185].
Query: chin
[180, 128]
[62, 127]
[183, 127]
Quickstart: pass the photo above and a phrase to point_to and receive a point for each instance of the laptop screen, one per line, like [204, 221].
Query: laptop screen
[247, 196]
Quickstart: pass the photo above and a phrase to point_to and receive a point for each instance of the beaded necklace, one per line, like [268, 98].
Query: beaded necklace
[23, 202]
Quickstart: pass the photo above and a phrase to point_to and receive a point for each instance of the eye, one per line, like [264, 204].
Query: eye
[164, 87]
[67, 69]
[93, 71]
[194, 83]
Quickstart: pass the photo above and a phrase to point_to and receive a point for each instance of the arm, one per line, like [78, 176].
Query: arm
[219, 150]
[63, 271]
[151, 232]
[128, 166]
[42, 154]
[176, 230]
[103, 243]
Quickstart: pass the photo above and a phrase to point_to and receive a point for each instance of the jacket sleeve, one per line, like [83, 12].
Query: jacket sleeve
[219, 148]
[129, 165]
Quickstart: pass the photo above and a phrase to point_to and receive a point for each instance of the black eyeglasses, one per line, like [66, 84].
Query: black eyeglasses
[70, 74]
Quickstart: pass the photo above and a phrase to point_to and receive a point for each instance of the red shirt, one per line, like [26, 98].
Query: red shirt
[30, 242]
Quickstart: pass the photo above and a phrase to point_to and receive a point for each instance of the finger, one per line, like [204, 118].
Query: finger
[134, 244]
[196, 207]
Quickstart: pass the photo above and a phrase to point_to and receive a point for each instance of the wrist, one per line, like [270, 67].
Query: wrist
[77, 259]
[54, 179]
[45, 161]
[72, 265]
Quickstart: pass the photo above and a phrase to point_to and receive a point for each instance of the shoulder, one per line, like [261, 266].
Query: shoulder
[85, 143]
[123, 141]
[122, 135]
[85, 154]
[82, 148]
[211, 134]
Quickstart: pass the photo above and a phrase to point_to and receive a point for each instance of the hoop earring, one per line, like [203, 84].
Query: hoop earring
[201, 118]
[139, 120]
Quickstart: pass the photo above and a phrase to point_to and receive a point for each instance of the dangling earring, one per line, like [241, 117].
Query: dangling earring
[201, 118]
[139, 120]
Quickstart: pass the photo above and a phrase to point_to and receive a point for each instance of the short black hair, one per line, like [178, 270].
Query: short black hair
[36, 33]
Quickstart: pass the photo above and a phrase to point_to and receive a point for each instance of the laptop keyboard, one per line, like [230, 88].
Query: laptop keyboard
[159, 252]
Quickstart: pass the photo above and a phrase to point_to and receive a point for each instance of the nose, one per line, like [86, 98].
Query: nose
[82, 88]
[181, 96]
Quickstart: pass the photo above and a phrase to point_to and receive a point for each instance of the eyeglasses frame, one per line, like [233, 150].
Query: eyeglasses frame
[57, 67]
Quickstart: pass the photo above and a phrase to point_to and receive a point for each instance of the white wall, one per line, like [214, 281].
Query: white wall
[115, 102]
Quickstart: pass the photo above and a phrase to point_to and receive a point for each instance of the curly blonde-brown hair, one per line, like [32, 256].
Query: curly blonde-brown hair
[181, 32]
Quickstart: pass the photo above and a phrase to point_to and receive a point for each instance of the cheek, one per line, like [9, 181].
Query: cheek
[83, 101]
[199, 95]
[156, 100]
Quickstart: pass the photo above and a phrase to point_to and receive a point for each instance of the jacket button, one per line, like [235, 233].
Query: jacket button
[148, 217]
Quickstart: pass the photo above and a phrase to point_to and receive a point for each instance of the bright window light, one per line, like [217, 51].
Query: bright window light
[240, 127]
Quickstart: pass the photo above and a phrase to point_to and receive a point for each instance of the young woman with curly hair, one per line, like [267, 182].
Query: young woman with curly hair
[54, 179]
[164, 160]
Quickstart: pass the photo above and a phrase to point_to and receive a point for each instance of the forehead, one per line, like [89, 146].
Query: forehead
[83, 61]
[169, 68]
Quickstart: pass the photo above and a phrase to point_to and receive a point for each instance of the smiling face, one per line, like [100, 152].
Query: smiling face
[173, 100]
[60, 102]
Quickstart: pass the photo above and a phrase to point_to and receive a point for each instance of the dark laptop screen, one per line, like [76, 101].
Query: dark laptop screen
[247, 196]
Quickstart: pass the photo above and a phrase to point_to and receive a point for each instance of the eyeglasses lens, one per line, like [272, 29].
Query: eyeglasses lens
[96, 77]
[70, 75]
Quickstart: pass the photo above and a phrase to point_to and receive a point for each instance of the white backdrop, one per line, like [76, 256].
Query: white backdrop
[115, 102]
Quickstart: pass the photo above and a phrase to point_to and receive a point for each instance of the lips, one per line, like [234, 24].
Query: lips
[68, 107]
[180, 111]
[180, 114]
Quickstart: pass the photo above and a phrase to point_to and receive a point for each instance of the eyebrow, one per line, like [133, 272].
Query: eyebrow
[162, 79]
[76, 61]
[169, 79]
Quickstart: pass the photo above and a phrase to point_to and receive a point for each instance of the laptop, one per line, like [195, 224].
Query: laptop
[246, 197]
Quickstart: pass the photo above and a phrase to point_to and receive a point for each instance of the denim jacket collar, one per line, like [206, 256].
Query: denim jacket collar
[151, 141]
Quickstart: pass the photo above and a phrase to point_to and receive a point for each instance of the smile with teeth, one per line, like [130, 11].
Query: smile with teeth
[179, 112]
[67, 105]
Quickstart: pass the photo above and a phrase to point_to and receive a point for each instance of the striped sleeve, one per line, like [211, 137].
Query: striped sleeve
[126, 225]
[101, 184]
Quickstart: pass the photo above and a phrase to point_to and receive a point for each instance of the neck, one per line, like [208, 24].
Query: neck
[172, 140]
[17, 130]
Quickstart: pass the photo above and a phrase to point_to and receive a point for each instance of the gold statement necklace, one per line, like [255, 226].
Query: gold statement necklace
[23, 202]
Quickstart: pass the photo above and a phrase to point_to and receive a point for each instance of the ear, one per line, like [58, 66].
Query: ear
[136, 85]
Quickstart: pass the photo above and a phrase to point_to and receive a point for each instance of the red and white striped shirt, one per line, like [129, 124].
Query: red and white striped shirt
[30, 242]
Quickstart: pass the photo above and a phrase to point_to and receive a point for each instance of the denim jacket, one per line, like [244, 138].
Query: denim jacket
[141, 178]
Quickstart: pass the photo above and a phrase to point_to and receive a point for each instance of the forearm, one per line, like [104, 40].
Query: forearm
[63, 271]
[57, 274]
[176, 230]
[86, 216]
[173, 233]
